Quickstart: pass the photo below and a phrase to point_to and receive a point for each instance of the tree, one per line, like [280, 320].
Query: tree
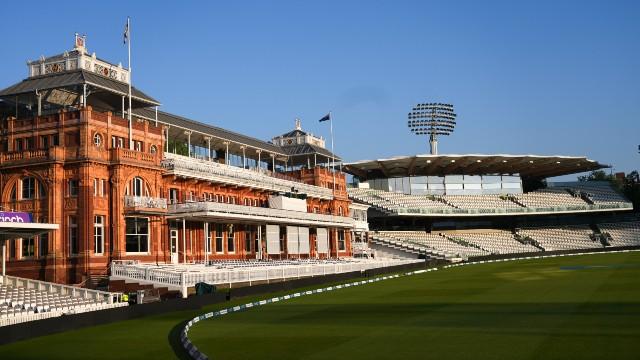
[596, 175]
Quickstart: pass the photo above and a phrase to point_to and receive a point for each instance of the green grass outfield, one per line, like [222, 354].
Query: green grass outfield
[560, 308]
[577, 307]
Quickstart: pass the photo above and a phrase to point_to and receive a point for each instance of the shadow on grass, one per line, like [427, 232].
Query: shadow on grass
[175, 343]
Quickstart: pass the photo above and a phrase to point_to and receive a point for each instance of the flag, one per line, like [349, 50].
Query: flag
[326, 117]
[125, 36]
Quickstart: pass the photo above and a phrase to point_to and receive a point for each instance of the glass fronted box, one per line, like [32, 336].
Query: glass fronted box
[450, 184]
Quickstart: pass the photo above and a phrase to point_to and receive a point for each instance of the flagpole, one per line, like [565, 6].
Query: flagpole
[129, 112]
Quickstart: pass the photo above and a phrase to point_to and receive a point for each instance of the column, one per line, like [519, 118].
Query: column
[208, 138]
[188, 133]
[259, 152]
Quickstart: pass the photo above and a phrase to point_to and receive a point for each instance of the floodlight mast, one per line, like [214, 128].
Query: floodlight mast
[432, 119]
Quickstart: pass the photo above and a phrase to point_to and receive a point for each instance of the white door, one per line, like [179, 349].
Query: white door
[173, 243]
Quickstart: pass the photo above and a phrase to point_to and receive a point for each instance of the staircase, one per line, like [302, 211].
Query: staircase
[464, 243]
[603, 238]
[526, 240]
[582, 195]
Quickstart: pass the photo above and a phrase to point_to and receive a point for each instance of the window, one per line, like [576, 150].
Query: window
[231, 243]
[255, 202]
[341, 242]
[98, 234]
[28, 248]
[138, 145]
[74, 242]
[247, 202]
[219, 230]
[137, 235]
[283, 237]
[247, 241]
[29, 188]
[74, 187]
[153, 149]
[137, 186]
[173, 195]
[44, 141]
[97, 140]
[13, 196]
[19, 146]
[99, 187]
[340, 211]
[207, 242]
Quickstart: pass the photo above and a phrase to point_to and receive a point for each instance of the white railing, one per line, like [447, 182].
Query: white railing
[181, 277]
[509, 211]
[258, 178]
[145, 202]
[279, 215]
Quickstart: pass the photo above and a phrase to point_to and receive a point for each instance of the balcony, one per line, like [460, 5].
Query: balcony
[207, 210]
[132, 157]
[221, 173]
[31, 156]
[145, 204]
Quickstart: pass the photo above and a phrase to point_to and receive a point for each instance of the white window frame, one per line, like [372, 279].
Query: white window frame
[148, 234]
[97, 139]
[138, 187]
[231, 240]
[98, 233]
[219, 235]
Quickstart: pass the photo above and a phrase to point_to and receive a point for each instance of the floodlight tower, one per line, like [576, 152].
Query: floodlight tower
[432, 119]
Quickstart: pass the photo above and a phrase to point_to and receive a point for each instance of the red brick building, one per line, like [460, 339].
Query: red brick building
[158, 188]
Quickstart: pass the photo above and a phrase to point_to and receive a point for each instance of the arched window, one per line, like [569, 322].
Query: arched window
[153, 149]
[29, 188]
[97, 140]
[138, 187]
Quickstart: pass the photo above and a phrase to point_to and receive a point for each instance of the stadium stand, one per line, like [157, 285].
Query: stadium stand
[495, 242]
[27, 300]
[480, 202]
[562, 238]
[622, 234]
[599, 193]
[549, 198]
[560, 198]
[436, 242]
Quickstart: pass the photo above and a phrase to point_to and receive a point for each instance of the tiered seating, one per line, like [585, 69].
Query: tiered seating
[622, 234]
[601, 193]
[411, 201]
[435, 241]
[550, 197]
[38, 300]
[21, 300]
[391, 201]
[562, 238]
[480, 202]
[496, 242]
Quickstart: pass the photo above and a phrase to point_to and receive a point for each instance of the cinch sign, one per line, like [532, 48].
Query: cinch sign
[17, 217]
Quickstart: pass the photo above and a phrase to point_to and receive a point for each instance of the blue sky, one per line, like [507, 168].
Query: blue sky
[543, 77]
